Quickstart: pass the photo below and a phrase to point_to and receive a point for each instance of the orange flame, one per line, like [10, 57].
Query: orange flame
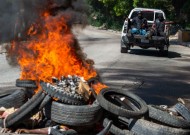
[98, 87]
[54, 52]
[32, 30]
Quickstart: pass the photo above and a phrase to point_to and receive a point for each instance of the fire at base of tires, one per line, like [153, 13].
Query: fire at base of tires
[71, 106]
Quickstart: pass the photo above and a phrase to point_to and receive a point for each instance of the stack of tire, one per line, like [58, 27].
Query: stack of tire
[131, 115]
[22, 98]
[119, 111]
[17, 97]
[61, 107]
[73, 111]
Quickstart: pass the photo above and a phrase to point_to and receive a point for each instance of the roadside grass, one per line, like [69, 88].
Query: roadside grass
[106, 24]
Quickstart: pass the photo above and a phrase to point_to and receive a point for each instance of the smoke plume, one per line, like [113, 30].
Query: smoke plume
[31, 12]
[16, 16]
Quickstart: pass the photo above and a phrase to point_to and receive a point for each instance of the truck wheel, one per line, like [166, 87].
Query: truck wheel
[166, 48]
[164, 51]
[124, 50]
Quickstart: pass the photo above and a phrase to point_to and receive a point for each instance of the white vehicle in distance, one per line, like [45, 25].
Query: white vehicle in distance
[129, 40]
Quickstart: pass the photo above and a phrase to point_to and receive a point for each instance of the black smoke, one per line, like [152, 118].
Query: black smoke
[16, 16]
[28, 12]
[8, 13]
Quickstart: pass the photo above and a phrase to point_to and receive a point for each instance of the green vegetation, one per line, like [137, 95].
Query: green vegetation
[111, 13]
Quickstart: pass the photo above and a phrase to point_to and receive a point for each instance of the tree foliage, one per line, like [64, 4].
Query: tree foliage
[119, 7]
[112, 12]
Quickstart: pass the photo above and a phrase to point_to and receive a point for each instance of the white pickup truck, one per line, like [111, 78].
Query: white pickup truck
[129, 40]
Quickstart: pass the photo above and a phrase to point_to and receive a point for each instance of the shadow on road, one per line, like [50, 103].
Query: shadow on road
[158, 87]
[94, 39]
[154, 53]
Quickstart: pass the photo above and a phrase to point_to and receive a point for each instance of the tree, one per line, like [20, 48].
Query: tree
[112, 12]
[119, 7]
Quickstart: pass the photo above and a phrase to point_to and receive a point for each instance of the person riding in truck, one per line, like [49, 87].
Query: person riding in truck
[158, 28]
[139, 24]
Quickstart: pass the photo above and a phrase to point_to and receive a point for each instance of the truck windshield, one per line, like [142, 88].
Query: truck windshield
[149, 15]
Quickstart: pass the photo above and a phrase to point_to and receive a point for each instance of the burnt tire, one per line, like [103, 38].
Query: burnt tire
[63, 96]
[26, 83]
[165, 118]
[15, 99]
[93, 80]
[144, 127]
[183, 111]
[117, 109]
[116, 130]
[76, 115]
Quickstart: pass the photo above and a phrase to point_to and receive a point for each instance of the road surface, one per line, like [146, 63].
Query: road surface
[158, 80]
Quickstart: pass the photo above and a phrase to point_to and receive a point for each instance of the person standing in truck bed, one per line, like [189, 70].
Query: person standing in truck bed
[159, 25]
[139, 24]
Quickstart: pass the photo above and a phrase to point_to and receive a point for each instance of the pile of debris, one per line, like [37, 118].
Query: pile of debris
[70, 106]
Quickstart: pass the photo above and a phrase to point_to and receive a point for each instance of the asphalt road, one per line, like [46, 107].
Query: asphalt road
[158, 80]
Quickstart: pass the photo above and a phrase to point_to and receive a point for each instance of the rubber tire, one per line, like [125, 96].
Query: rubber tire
[16, 99]
[31, 105]
[5, 91]
[26, 83]
[76, 115]
[165, 118]
[115, 130]
[124, 50]
[47, 110]
[107, 105]
[63, 96]
[45, 101]
[93, 80]
[163, 52]
[23, 111]
[183, 111]
[106, 128]
[144, 127]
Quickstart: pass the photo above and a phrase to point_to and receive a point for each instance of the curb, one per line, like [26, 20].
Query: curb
[2, 48]
[104, 29]
[186, 44]
[175, 39]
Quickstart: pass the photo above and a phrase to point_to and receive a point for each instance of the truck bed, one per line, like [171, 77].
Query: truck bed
[141, 40]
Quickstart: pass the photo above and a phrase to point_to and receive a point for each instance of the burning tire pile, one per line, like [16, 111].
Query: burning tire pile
[69, 105]
[111, 111]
